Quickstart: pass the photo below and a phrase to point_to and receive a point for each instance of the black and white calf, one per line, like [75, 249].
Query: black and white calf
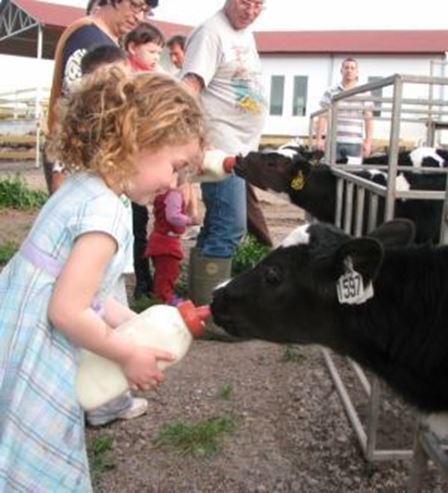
[427, 157]
[313, 188]
[376, 299]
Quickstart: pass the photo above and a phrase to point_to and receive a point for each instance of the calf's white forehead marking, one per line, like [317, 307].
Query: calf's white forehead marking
[299, 236]
[417, 156]
[377, 172]
[289, 153]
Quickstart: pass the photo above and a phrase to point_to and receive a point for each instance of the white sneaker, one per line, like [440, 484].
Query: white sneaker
[138, 407]
[192, 233]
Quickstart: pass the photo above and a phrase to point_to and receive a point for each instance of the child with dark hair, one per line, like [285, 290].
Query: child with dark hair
[144, 45]
[101, 55]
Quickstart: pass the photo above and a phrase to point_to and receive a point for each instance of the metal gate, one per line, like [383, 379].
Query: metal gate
[356, 195]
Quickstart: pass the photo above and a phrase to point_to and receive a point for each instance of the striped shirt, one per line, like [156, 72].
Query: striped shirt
[350, 119]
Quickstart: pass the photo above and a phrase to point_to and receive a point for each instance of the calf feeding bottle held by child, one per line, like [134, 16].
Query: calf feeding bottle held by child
[169, 328]
[217, 166]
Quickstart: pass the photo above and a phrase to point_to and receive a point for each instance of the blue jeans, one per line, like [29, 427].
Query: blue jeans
[225, 217]
[345, 150]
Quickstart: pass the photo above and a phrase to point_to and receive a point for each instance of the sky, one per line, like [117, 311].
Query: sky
[279, 15]
[315, 15]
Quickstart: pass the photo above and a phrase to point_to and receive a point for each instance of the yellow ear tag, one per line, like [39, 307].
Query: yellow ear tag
[298, 182]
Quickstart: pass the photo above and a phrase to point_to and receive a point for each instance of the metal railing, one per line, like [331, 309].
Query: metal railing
[358, 202]
[22, 112]
[396, 109]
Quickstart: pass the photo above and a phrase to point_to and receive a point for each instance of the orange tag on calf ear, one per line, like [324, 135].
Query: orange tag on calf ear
[298, 182]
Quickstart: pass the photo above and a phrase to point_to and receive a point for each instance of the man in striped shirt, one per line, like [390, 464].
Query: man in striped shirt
[354, 125]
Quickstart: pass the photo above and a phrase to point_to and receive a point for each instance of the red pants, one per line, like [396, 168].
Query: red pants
[166, 273]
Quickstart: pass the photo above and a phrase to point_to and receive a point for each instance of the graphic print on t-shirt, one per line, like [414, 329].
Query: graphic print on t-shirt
[245, 83]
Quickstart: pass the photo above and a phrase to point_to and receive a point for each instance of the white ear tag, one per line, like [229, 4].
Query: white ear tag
[350, 287]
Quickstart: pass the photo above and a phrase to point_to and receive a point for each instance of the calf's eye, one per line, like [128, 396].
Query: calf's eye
[272, 275]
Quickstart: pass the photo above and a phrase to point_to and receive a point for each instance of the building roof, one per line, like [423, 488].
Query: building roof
[50, 14]
[20, 37]
[60, 16]
[360, 42]
[53, 18]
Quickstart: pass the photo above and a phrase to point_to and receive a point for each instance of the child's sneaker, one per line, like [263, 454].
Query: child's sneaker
[107, 413]
[192, 233]
[138, 407]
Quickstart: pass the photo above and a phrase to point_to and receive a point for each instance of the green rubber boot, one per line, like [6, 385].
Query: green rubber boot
[194, 255]
[205, 273]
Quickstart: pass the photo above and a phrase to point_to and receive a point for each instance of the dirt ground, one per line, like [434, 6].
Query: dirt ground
[291, 433]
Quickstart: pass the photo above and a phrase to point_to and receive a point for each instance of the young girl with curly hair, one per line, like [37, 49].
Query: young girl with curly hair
[118, 134]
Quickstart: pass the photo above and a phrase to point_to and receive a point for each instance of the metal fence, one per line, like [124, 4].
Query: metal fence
[355, 196]
[21, 119]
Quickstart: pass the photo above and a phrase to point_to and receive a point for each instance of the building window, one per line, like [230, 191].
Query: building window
[277, 95]
[300, 95]
[376, 93]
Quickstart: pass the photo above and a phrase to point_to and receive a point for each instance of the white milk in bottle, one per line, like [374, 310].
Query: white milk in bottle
[217, 166]
[164, 327]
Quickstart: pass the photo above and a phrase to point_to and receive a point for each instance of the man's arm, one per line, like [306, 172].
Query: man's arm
[367, 145]
[193, 82]
[321, 128]
[322, 120]
[202, 58]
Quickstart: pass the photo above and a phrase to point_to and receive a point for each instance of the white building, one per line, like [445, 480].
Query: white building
[297, 66]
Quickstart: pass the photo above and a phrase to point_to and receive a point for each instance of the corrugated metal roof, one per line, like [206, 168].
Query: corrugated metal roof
[54, 15]
[54, 18]
[50, 14]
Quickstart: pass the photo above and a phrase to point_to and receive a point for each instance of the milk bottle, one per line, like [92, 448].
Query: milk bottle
[164, 327]
[217, 166]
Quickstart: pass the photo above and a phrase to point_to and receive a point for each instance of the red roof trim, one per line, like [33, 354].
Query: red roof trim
[50, 14]
[60, 16]
[277, 42]
[390, 42]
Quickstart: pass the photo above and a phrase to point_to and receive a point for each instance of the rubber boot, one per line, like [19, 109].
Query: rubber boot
[194, 254]
[205, 273]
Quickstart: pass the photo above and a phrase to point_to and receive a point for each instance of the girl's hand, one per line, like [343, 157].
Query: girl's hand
[196, 219]
[141, 367]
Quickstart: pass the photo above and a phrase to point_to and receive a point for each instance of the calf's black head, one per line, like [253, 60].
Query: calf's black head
[291, 295]
[277, 171]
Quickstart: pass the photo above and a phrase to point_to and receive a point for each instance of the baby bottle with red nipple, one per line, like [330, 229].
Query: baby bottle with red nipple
[217, 166]
[164, 327]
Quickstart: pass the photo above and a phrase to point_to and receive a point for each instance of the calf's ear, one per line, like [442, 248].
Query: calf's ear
[300, 164]
[394, 233]
[364, 254]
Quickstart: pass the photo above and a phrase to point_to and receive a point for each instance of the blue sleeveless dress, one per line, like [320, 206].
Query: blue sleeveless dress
[42, 444]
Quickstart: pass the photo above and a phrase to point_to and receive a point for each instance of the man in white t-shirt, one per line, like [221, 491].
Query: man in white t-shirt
[354, 126]
[222, 66]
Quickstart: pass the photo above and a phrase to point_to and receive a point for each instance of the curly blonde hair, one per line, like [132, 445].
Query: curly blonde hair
[113, 115]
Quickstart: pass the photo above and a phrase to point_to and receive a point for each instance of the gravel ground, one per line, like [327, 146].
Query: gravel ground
[292, 434]
[291, 431]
